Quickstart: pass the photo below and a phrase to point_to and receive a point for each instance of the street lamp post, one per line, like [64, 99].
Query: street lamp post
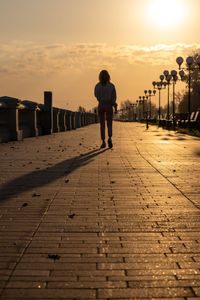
[168, 77]
[159, 86]
[174, 78]
[144, 99]
[189, 67]
[141, 101]
[149, 97]
[130, 112]
[137, 110]
[144, 106]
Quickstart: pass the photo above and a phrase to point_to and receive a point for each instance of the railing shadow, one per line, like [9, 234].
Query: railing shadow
[45, 176]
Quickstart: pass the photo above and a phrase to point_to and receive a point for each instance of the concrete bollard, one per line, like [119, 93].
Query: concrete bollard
[12, 117]
[30, 115]
[68, 119]
[56, 117]
[62, 120]
[78, 119]
[73, 123]
[83, 119]
[87, 119]
[48, 108]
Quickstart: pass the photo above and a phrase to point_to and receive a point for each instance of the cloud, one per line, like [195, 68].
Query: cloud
[28, 59]
[27, 69]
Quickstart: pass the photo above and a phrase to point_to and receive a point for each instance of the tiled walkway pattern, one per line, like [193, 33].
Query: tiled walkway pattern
[82, 223]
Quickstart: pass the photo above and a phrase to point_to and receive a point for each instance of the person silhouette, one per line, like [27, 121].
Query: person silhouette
[105, 93]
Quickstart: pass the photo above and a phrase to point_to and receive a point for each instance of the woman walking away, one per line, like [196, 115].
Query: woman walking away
[105, 93]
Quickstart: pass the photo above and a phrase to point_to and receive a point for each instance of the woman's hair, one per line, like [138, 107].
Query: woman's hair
[104, 77]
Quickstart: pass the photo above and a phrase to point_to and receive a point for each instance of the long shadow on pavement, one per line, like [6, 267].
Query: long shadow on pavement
[45, 176]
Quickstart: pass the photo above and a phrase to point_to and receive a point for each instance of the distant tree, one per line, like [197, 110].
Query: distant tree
[164, 109]
[178, 98]
[81, 109]
[125, 104]
[154, 110]
[183, 105]
[127, 109]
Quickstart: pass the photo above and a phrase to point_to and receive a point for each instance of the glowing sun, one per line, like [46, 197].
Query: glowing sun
[166, 13]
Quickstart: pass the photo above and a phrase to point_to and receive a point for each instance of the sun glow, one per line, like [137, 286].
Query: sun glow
[166, 14]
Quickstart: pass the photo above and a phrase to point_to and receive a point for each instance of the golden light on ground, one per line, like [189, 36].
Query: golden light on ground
[166, 14]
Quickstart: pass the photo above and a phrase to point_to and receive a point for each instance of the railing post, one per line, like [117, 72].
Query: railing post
[62, 120]
[78, 119]
[83, 119]
[16, 134]
[48, 124]
[73, 124]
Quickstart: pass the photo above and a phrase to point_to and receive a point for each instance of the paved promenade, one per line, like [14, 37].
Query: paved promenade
[78, 222]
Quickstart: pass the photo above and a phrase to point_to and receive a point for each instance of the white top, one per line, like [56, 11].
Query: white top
[105, 93]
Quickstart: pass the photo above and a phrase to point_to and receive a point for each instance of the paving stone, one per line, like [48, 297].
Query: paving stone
[145, 292]
[163, 283]
[137, 266]
[88, 285]
[40, 278]
[49, 293]
[167, 272]
[89, 273]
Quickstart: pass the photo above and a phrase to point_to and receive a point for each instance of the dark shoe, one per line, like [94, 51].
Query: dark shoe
[110, 145]
[103, 145]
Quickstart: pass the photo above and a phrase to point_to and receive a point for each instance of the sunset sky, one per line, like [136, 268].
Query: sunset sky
[62, 45]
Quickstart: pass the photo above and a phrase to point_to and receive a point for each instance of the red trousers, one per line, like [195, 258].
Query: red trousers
[105, 113]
